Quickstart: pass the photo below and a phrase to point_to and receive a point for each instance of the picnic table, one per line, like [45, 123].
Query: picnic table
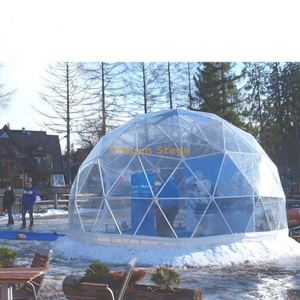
[9, 276]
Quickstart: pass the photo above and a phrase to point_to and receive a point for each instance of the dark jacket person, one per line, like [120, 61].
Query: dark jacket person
[9, 199]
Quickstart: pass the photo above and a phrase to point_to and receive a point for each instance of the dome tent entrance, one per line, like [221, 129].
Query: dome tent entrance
[214, 177]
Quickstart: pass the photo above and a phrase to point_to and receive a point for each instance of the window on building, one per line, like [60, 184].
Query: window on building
[39, 161]
[10, 173]
[15, 149]
[4, 135]
[58, 180]
[49, 161]
[3, 151]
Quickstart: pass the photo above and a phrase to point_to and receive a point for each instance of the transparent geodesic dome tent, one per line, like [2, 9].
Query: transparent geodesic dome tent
[175, 175]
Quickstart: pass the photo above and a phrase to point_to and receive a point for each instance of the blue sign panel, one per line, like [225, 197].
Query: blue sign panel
[140, 189]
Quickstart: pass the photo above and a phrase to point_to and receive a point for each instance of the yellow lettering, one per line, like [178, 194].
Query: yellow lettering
[126, 151]
[133, 152]
[159, 150]
[179, 151]
[141, 151]
[113, 148]
[148, 151]
[172, 151]
[187, 150]
[166, 149]
[120, 149]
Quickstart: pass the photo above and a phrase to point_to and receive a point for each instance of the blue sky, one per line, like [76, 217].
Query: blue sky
[25, 77]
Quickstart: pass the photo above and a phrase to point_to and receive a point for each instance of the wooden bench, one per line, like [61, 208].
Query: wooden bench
[31, 289]
[86, 285]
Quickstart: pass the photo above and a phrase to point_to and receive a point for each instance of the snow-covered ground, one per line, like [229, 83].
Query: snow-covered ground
[244, 269]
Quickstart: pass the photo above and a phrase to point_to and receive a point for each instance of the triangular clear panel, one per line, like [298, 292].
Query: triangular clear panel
[115, 168]
[75, 223]
[92, 185]
[234, 143]
[148, 134]
[214, 134]
[123, 145]
[232, 182]
[142, 208]
[203, 169]
[103, 220]
[260, 172]
[82, 176]
[197, 118]
[121, 210]
[274, 209]
[200, 178]
[169, 117]
[261, 220]
[251, 225]
[170, 212]
[194, 146]
[237, 212]
[211, 222]
[123, 185]
[89, 208]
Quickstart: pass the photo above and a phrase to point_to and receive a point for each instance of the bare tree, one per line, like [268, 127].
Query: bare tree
[105, 88]
[146, 84]
[186, 83]
[5, 95]
[63, 93]
[178, 84]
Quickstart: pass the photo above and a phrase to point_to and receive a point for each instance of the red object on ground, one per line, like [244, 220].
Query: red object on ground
[4, 211]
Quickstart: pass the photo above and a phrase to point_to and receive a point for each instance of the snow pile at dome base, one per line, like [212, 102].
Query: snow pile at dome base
[244, 250]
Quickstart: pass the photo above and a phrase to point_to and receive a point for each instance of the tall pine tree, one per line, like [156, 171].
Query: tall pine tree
[217, 91]
[257, 100]
[291, 94]
[275, 86]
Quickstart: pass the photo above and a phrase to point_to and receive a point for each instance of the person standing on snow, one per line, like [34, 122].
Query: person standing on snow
[28, 200]
[8, 201]
[170, 207]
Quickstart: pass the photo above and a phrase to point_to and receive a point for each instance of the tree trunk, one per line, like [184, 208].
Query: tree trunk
[170, 86]
[145, 89]
[103, 101]
[190, 86]
[72, 286]
[280, 118]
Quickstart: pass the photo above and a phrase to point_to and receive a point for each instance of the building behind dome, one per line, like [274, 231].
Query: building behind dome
[224, 183]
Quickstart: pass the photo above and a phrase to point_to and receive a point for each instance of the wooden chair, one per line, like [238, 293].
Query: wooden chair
[87, 285]
[31, 289]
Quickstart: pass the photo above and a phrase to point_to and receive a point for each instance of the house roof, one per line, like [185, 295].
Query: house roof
[32, 145]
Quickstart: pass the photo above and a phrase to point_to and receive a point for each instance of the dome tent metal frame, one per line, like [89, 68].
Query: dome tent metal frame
[245, 194]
